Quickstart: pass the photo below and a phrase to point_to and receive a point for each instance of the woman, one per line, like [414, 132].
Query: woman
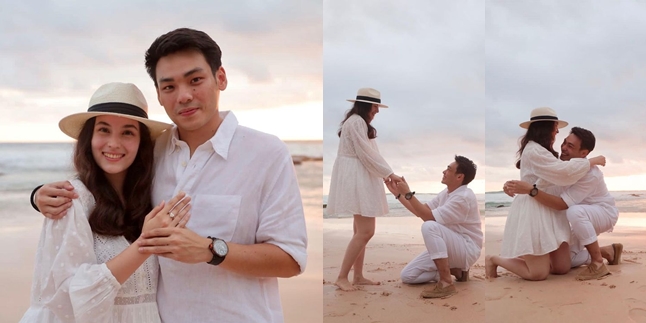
[87, 267]
[536, 235]
[356, 185]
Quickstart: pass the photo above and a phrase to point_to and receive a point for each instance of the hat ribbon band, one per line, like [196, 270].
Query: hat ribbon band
[118, 107]
[367, 98]
[543, 118]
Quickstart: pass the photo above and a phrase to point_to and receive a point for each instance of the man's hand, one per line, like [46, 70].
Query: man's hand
[54, 199]
[517, 187]
[176, 243]
[402, 187]
[392, 187]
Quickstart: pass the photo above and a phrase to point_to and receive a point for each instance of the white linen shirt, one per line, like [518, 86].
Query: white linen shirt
[244, 190]
[459, 212]
[591, 190]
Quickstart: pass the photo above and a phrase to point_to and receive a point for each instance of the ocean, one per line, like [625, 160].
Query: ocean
[24, 166]
[497, 203]
[396, 209]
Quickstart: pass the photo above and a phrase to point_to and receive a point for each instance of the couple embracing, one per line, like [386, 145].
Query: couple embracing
[562, 206]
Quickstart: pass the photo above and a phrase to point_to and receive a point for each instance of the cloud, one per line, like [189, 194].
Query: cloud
[427, 59]
[584, 59]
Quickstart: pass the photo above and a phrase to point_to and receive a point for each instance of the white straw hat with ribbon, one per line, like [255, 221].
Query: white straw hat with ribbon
[117, 99]
[543, 114]
[368, 95]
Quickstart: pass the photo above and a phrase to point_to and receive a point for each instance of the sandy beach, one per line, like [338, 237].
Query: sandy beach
[620, 297]
[397, 240]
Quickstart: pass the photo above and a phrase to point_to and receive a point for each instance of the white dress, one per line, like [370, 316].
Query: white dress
[71, 281]
[531, 227]
[356, 185]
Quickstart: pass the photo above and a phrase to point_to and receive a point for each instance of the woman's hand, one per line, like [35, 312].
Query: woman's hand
[171, 214]
[393, 178]
[598, 160]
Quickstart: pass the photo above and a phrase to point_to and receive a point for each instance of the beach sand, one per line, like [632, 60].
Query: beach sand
[397, 240]
[620, 297]
[301, 296]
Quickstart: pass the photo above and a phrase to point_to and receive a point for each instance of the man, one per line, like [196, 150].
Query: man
[247, 224]
[590, 209]
[452, 231]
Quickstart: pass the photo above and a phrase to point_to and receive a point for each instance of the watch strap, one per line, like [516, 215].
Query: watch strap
[216, 260]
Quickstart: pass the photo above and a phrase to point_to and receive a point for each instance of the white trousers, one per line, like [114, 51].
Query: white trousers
[441, 242]
[587, 222]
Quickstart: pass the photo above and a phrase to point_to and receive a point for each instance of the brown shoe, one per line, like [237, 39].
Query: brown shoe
[592, 272]
[618, 248]
[439, 291]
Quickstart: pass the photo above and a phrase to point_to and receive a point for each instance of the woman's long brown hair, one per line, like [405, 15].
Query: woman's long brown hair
[362, 109]
[110, 215]
[541, 133]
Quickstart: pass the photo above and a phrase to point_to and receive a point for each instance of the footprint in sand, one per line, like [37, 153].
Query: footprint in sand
[496, 295]
[637, 313]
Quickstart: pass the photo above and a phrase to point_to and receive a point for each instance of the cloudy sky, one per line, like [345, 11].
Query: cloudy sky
[427, 59]
[54, 54]
[584, 59]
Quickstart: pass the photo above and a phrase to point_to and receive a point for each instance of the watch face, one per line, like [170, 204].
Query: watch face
[220, 248]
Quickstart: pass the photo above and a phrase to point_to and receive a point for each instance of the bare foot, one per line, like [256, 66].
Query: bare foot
[458, 273]
[364, 281]
[491, 270]
[608, 253]
[344, 284]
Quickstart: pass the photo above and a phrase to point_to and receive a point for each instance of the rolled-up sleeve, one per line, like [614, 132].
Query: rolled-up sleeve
[282, 218]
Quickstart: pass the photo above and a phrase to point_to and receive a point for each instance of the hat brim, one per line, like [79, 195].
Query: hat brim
[379, 104]
[561, 123]
[73, 124]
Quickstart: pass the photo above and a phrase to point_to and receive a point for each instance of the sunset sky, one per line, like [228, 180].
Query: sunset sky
[427, 59]
[55, 54]
[584, 59]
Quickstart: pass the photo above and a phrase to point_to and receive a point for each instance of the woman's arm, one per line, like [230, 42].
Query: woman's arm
[370, 158]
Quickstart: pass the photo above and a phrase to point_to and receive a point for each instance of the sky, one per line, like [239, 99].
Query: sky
[55, 54]
[427, 60]
[584, 59]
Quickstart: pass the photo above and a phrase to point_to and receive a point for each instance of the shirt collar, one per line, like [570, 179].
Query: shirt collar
[220, 142]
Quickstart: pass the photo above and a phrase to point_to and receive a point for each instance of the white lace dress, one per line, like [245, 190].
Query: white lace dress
[533, 228]
[356, 185]
[71, 281]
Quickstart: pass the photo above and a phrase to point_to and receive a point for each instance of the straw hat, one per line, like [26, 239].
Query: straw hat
[116, 99]
[369, 95]
[543, 114]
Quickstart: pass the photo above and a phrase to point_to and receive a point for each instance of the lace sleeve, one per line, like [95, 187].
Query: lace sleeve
[369, 156]
[71, 283]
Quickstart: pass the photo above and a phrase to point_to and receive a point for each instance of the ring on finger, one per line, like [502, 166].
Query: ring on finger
[172, 215]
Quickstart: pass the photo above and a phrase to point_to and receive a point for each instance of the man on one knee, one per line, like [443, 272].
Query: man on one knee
[590, 209]
[452, 230]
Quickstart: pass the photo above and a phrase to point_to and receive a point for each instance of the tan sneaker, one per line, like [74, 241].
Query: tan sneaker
[439, 291]
[592, 272]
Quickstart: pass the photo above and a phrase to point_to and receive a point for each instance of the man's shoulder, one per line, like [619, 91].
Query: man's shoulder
[260, 142]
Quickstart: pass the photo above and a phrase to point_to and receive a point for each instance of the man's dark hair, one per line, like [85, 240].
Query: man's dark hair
[183, 39]
[465, 167]
[586, 137]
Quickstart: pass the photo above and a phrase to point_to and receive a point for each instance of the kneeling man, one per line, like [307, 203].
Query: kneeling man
[452, 230]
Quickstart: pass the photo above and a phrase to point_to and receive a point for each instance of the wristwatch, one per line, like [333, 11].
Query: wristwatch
[534, 191]
[219, 249]
[409, 195]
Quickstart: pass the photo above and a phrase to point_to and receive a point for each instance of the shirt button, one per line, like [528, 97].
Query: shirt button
[183, 164]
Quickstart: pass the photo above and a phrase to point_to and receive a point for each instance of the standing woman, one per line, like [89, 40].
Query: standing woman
[88, 268]
[536, 237]
[356, 186]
